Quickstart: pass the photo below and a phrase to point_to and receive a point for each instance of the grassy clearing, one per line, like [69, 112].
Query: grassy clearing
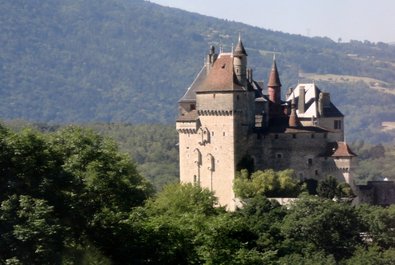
[375, 84]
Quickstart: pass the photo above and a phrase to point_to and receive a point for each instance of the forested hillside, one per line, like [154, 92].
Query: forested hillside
[130, 61]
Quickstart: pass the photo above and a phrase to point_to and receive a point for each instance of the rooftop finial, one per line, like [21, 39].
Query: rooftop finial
[239, 49]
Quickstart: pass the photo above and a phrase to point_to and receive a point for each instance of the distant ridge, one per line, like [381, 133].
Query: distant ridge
[129, 61]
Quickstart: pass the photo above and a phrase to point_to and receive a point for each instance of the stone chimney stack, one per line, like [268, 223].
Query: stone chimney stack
[324, 101]
[211, 57]
[249, 75]
[301, 101]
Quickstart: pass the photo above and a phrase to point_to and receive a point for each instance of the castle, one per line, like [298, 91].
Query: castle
[226, 117]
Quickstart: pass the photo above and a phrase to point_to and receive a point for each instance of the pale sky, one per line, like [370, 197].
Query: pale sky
[372, 20]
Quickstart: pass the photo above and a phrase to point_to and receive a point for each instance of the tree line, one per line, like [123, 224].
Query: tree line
[72, 197]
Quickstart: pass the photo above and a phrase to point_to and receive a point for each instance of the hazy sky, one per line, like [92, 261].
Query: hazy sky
[372, 20]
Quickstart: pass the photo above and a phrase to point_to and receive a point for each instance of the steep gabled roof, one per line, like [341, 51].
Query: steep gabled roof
[312, 93]
[221, 76]
[190, 95]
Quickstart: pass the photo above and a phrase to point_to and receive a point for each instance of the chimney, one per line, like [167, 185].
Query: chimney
[301, 101]
[249, 75]
[324, 101]
[211, 57]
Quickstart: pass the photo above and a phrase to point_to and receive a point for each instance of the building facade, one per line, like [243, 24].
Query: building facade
[226, 117]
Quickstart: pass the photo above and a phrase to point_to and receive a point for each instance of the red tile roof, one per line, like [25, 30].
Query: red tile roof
[221, 76]
[343, 150]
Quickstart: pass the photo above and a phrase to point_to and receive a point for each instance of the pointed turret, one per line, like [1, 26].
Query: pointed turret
[274, 84]
[240, 62]
[239, 50]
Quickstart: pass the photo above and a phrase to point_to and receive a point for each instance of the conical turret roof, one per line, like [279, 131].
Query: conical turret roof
[239, 50]
[274, 78]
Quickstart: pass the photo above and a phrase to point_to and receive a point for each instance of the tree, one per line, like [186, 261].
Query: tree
[264, 218]
[77, 180]
[329, 188]
[379, 223]
[316, 224]
[174, 223]
[372, 255]
[268, 182]
[30, 231]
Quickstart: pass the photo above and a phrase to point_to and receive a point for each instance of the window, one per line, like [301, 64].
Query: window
[337, 125]
[192, 107]
[212, 133]
[279, 155]
[312, 135]
[310, 161]
[276, 136]
[223, 134]
[325, 135]
[294, 136]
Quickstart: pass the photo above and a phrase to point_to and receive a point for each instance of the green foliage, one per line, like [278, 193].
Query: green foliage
[69, 196]
[329, 188]
[72, 181]
[323, 225]
[372, 255]
[267, 182]
[375, 162]
[183, 198]
[317, 258]
[229, 240]
[154, 148]
[380, 222]
[30, 232]
[175, 222]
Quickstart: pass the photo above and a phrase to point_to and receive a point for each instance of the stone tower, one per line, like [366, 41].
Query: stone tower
[211, 136]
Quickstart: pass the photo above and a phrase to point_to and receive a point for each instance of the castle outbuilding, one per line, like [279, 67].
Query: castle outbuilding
[226, 116]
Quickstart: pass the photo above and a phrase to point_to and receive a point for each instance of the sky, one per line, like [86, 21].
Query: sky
[372, 20]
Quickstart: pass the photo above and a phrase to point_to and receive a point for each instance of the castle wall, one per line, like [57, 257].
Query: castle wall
[302, 152]
[337, 130]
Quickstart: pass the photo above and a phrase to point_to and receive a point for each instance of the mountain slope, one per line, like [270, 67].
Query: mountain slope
[130, 61]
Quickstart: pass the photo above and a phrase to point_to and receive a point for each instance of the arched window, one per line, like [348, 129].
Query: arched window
[197, 157]
[210, 162]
